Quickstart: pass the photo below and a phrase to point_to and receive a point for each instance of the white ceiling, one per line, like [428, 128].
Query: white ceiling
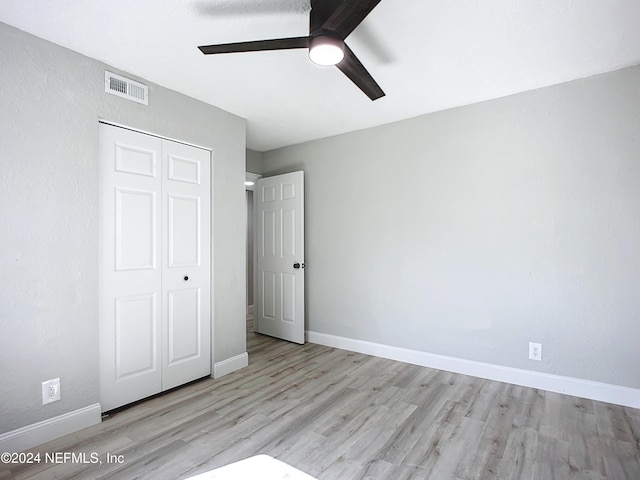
[427, 55]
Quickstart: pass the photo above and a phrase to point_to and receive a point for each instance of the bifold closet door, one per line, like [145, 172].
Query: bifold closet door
[154, 290]
[186, 271]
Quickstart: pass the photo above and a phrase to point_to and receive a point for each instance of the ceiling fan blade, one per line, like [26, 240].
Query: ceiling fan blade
[356, 72]
[256, 46]
[348, 15]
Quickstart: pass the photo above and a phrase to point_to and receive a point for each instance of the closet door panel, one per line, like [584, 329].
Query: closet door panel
[186, 271]
[130, 287]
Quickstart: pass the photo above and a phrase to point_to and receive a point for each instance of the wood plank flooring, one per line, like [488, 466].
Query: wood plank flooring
[341, 415]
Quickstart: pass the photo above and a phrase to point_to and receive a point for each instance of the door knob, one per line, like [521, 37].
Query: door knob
[186, 277]
[296, 265]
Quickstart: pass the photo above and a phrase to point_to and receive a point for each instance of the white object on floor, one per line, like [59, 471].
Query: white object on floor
[261, 467]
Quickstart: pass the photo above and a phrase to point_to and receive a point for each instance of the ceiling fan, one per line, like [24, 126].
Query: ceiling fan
[330, 22]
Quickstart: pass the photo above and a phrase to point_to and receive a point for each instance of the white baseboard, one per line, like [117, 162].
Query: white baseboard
[604, 392]
[230, 365]
[42, 432]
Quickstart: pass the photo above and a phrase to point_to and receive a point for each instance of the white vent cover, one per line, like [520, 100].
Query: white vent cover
[126, 88]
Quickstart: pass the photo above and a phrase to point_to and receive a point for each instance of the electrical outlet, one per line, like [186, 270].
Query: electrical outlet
[50, 391]
[535, 351]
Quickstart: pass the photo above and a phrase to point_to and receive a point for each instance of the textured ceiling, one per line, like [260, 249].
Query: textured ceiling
[427, 55]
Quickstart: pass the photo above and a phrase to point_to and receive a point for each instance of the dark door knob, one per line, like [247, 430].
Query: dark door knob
[296, 265]
[186, 277]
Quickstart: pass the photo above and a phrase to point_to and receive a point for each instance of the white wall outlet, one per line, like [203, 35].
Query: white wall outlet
[535, 351]
[50, 391]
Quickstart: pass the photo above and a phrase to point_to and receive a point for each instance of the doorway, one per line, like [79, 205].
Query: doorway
[249, 185]
[275, 256]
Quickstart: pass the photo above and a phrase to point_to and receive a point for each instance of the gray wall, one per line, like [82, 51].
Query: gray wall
[471, 232]
[254, 161]
[50, 103]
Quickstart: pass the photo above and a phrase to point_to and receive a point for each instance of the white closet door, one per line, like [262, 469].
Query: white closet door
[130, 266]
[154, 233]
[186, 256]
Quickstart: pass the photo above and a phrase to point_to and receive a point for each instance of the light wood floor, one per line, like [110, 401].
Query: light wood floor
[341, 415]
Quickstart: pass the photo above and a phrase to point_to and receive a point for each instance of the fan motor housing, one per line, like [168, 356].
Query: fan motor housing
[321, 10]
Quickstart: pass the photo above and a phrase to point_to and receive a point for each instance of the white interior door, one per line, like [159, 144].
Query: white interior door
[130, 266]
[279, 213]
[154, 326]
[186, 324]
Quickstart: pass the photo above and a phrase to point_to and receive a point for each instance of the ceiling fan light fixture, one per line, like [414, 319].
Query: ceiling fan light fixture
[325, 50]
[330, 23]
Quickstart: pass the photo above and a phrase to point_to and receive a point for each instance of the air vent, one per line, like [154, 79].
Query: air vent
[126, 88]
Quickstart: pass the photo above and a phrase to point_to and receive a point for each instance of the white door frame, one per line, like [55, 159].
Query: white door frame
[163, 137]
[251, 177]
